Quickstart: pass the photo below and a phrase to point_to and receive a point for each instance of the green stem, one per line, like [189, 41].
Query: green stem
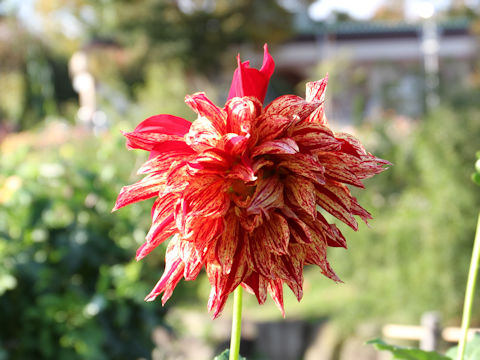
[236, 324]
[469, 294]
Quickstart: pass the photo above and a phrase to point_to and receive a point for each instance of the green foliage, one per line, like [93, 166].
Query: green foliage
[472, 350]
[415, 255]
[476, 174]
[225, 356]
[407, 353]
[195, 35]
[69, 285]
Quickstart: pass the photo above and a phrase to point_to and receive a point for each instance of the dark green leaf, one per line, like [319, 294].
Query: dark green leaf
[407, 353]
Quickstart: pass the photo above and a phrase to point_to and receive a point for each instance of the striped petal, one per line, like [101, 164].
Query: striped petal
[268, 195]
[280, 146]
[146, 188]
[241, 114]
[291, 106]
[173, 273]
[335, 198]
[204, 107]
[315, 137]
[301, 192]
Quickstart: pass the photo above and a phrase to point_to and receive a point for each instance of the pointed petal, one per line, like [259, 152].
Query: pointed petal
[149, 141]
[293, 265]
[271, 127]
[316, 254]
[335, 198]
[339, 168]
[256, 284]
[161, 230]
[162, 162]
[146, 188]
[356, 209]
[304, 165]
[223, 285]
[301, 192]
[316, 90]
[291, 106]
[204, 107]
[171, 276]
[275, 289]
[164, 124]
[252, 82]
[330, 232]
[156, 130]
[280, 146]
[227, 243]
[192, 257]
[315, 137]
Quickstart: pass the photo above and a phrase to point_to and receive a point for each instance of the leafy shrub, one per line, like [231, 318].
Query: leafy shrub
[415, 256]
[69, 285]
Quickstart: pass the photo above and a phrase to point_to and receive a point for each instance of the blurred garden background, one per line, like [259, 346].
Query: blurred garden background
[404, 78]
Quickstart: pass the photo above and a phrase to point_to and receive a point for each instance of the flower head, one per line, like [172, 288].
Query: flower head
[242, 190]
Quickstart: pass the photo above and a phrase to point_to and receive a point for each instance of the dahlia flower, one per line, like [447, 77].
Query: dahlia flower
[242, 190]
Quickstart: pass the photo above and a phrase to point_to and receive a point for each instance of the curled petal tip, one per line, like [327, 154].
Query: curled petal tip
[252, 82]
[150, 298]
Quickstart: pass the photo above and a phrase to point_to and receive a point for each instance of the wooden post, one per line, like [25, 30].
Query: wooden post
[431, 335]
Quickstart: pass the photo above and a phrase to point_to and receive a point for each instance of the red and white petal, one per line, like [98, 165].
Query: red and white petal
[260, 257]
[340, 168]
[235, 145]
[146, 188]
[268, 195]
[275, 289]
[223, 285]
[274, 234]
[209, 162]
[291, 106]
[300, 191]
[204, 107]
[335, 198]
[304, 165]
[202, 135]
[172, 275]
[241, 114]
[271, 127]
[207, 197]
[256, 284]
[192, 257]
[226, 244]
[273, 147]
[314, 137]
[162, 162]
[315, 90]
